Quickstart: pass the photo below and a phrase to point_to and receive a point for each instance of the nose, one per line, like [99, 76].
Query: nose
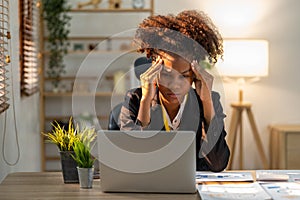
[176, 84]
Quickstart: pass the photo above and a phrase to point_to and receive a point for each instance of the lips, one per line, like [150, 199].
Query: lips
[173, 95]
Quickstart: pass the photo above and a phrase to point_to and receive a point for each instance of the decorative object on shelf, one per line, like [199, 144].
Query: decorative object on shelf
[94, 3]
[55, 89]
[138, 4]
[57, 24]
[115, 4]
[78, 47]
[92, 46]
[84, 159]
[61, 87]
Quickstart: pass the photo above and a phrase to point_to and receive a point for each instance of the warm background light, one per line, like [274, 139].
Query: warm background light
[236, 17]
[244, 58]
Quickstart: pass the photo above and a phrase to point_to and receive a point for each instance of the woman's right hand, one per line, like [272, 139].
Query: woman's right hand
[148, 80]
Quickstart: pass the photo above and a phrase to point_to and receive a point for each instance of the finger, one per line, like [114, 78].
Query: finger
[197, 66]
[152, 74]
[200, 73]
[198, 84]
[196, 73]
[154, 67]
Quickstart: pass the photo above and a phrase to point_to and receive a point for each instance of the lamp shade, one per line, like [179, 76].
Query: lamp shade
[244, 58]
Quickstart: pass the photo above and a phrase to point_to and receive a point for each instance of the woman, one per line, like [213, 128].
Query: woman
[166, 99]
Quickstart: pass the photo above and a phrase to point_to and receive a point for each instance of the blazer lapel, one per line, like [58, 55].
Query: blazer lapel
[156, 117]
[156, 122]
[191, 113]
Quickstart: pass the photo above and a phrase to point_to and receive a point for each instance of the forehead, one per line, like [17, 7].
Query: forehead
[174, 62]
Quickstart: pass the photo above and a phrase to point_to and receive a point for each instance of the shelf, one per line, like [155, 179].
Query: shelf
[51, 118]
[94, 52]
[69, 78]
[69, 94]
[96, 38]
[105, 10]
[58, 105]
[99, 52]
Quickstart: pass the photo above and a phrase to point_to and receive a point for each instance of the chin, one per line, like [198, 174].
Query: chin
[174, 100]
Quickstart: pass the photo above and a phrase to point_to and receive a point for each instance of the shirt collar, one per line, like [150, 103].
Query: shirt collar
[176, 121]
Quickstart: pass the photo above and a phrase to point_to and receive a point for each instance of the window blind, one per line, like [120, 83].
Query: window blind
[4, 57]
[28, 50]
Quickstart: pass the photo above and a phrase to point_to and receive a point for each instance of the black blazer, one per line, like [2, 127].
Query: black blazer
[212, 151]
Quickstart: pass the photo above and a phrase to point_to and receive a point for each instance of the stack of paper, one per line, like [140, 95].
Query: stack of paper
[203, 176]
[245, 191]
[278, 175]
[281, 191]
[273, 184]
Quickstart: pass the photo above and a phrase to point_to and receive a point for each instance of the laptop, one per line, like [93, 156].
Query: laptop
[147, 161]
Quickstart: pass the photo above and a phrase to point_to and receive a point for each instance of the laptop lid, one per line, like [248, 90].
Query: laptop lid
[147, 161]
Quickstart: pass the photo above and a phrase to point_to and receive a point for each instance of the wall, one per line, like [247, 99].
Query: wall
[27, 115]
[276, 97]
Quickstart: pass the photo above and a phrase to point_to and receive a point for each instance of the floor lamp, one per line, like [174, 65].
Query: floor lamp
[243, 62]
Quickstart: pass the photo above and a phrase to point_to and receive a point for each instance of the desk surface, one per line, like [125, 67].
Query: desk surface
[49, 185]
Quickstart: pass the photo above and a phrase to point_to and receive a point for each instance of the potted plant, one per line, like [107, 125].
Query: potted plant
[64, 138]
[84, 159]
[57, 25]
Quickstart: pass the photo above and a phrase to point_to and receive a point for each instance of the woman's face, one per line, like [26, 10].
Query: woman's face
[175, 78]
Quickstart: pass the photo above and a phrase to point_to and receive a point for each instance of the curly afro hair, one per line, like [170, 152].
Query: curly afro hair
[190, 34]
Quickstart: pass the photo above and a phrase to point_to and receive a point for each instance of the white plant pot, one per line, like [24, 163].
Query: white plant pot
[85, 177]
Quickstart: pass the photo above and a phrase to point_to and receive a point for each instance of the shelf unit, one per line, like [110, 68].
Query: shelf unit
[105, 10]
[55, 105]
[284, 146]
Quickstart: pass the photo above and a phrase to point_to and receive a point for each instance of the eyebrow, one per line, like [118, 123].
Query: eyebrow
[186, 71]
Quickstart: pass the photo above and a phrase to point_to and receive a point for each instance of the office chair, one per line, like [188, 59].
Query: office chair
[113, 117]
[140, 66]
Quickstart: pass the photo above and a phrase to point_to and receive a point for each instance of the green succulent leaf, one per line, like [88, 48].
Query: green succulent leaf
[65, 139]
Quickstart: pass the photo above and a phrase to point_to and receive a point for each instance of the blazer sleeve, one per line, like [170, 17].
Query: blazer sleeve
[214, 152]
[130, 109]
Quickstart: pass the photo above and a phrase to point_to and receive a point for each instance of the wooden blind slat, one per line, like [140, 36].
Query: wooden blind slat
[4, 25]
[29, 82]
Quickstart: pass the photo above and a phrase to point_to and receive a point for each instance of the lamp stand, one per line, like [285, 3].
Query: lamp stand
[236, 121]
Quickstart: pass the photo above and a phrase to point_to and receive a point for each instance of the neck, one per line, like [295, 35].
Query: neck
[171, 108]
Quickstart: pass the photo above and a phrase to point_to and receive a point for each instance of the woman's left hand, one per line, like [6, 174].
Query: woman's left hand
[203, 83]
